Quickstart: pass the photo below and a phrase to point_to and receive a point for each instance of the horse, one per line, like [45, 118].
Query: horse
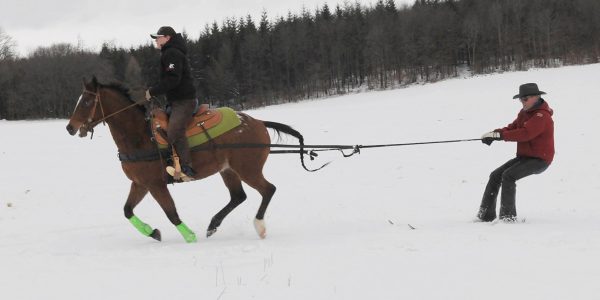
[144, 166]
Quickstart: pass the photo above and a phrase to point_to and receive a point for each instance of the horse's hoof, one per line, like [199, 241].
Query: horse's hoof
[191, 238]
[210, 232]
[261, 230]
[156, 235]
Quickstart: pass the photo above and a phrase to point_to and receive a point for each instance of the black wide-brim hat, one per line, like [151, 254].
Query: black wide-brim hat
[163, 31]
[528, 89]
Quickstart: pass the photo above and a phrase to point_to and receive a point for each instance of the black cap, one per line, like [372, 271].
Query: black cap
[528, 89]
[163, 31]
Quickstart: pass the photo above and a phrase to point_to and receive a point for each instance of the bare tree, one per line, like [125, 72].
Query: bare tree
[7, 46]
[472, 31]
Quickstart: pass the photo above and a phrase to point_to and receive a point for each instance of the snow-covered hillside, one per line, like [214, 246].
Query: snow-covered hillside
[340, 233]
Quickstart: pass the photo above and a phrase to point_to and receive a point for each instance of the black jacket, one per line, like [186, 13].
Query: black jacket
[175, 76]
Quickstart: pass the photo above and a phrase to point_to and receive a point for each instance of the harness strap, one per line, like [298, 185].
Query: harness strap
[210, 139]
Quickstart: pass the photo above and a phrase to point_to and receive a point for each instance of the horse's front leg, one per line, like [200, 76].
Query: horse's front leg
[164, 199]
[137, 192]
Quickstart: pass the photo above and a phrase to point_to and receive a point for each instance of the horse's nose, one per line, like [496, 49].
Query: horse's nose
[71, 130]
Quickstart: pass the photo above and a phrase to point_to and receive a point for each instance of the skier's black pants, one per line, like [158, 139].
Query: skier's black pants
[506, 176]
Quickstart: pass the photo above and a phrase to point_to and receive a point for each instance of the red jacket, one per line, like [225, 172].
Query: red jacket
[533, 130]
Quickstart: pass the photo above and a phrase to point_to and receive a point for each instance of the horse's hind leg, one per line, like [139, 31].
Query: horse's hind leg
[236, 191]
[164, 199]
[136, 194]
[266, 190]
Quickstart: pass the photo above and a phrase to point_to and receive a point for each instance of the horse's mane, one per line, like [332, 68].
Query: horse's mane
[123, 90]
[119, 87]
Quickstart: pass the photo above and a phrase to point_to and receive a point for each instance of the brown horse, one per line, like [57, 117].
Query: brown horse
[145, 166]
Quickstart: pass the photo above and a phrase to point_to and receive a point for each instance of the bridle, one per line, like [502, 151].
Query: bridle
[89, 125]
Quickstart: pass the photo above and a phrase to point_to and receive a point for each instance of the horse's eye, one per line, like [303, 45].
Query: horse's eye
[87, 102]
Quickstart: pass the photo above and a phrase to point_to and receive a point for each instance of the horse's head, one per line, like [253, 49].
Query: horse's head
[86, 110]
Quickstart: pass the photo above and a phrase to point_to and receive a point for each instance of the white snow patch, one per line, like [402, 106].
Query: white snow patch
[340, 233]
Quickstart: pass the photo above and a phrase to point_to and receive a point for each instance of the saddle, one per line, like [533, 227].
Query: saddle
[206, 125]
[203, 120]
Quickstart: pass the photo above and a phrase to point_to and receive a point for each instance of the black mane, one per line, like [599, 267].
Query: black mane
[123, 90]
[119, 87]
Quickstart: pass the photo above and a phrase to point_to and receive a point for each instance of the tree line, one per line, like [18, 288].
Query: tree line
[247, 63]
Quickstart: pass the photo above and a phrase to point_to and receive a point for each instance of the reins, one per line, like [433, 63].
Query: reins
[118, 111]
[102, 109]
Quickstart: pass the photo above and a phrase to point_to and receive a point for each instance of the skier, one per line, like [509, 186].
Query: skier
[533, 130]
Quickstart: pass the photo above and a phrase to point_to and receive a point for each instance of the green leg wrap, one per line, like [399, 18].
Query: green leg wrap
[142, 227]
[187, 234]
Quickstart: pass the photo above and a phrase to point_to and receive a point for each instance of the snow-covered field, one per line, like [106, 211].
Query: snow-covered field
[340, 233]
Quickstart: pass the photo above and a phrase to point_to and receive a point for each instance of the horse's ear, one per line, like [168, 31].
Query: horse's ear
[94, 81]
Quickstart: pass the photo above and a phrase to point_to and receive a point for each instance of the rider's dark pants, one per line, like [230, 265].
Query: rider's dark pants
[181, 115]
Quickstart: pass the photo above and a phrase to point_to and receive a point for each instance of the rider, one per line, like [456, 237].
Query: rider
[176, 83]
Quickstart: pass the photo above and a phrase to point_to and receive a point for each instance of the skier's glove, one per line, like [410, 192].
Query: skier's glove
[489, 137]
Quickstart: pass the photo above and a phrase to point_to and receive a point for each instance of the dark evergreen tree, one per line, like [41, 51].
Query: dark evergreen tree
[310, 54]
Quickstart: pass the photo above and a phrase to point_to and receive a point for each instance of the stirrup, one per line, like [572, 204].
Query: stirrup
[178, 177]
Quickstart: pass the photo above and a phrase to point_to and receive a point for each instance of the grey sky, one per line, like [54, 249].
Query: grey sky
[34, 23]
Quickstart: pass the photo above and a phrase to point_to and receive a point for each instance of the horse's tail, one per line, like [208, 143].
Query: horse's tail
[279, 128]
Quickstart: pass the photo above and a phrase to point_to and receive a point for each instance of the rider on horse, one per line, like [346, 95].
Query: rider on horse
[176, 83]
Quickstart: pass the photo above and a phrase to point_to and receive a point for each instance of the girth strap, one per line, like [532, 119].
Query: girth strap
[143, 155]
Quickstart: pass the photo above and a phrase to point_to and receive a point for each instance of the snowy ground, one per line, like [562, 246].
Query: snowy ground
[340, 233]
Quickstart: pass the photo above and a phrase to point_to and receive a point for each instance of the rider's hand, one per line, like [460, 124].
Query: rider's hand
[489, 137]
[148, 96]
